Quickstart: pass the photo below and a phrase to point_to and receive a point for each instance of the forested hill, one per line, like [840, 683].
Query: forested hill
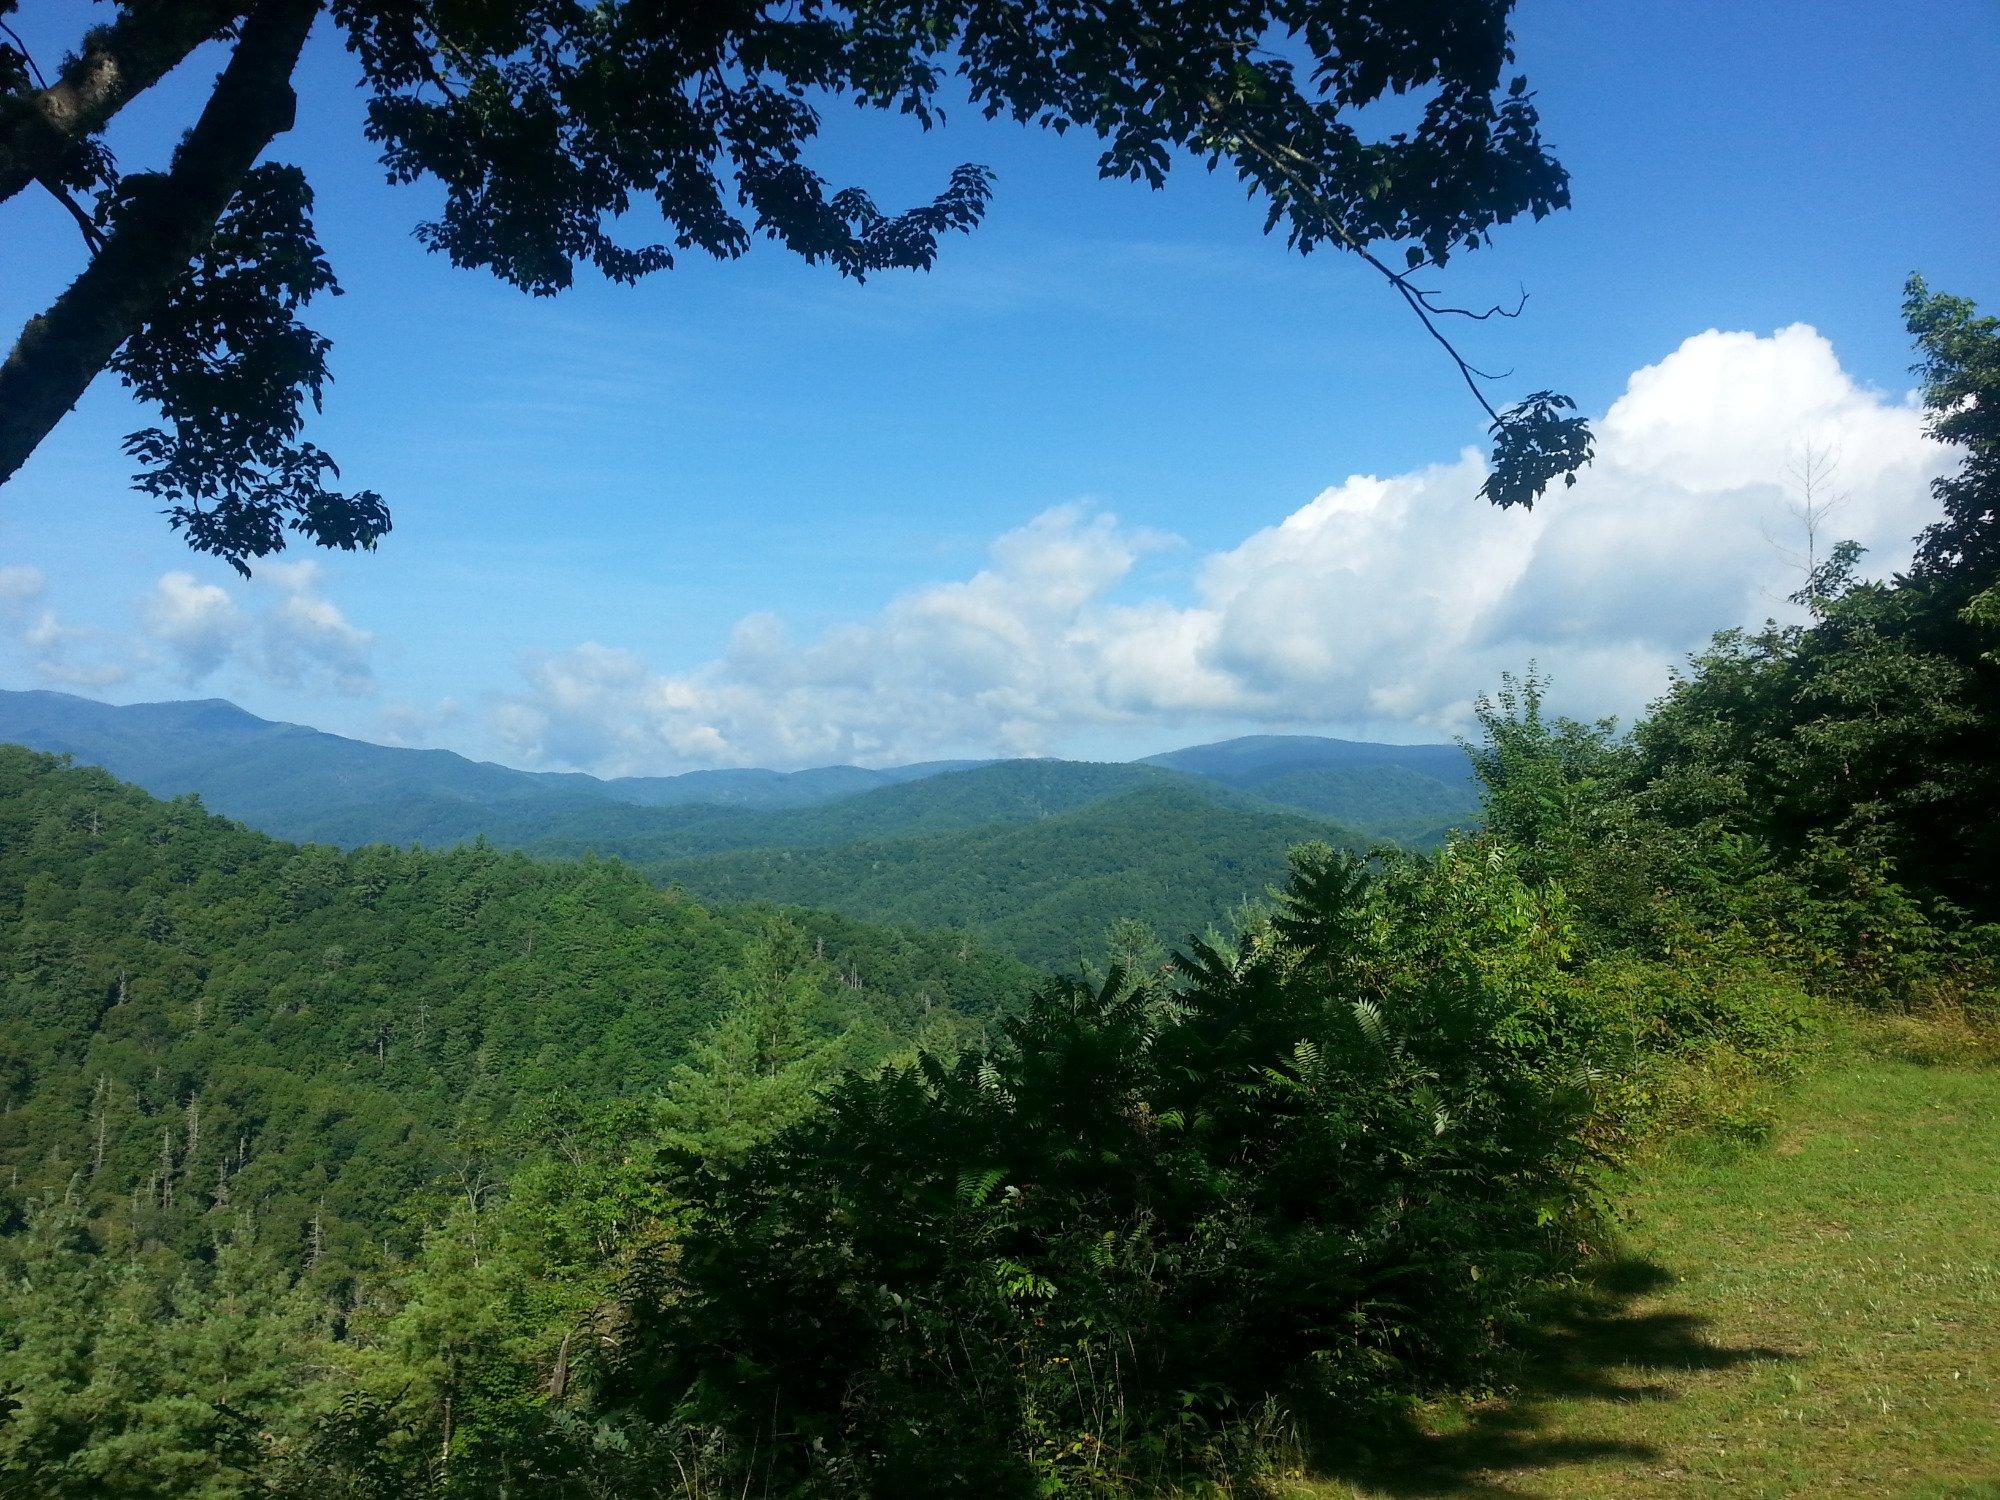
[1038, 857]
[198, 1020]
[302, 784]
[1005, 793]
[1178, 857]
[1409, 793]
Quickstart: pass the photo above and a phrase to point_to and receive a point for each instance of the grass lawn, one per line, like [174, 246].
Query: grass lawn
[1816, 1314]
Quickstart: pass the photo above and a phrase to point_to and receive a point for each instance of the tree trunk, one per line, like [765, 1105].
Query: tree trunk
[117, 63]
[59, 353]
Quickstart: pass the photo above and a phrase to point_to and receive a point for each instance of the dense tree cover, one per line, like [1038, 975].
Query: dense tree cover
[1411, 794]
[1387, 802]
[1178, 859]
[203, 1021]
[1875, 727]
[1148, 1230]
[548, 122]
[1318, 1162]
[1175, 1218]
[1006, 793]
[1834, 783]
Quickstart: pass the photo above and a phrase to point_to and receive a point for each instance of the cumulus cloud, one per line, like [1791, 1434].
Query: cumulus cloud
[304, 635]
[19, 587]
[1382, 602]
[991, 658]
[196, 624]
[69, 657]
[61, 655]
[281, 628]
[416, 725]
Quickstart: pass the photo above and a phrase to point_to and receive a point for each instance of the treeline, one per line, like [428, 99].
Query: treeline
[1162, 1225]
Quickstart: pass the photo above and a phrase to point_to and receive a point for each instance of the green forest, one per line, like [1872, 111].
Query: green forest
[396, 1172]
[827, 449]
[1034, 857]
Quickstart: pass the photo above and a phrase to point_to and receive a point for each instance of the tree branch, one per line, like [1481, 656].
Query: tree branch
[92, 235]
[1495, 311]
[27, 57]
[118, 62]
[163, 226]
[1419, 302]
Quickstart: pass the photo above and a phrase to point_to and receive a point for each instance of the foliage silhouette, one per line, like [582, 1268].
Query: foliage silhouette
[547, 123]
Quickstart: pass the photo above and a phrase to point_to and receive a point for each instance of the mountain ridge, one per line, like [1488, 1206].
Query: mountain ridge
[86, 728]
[1253, 794]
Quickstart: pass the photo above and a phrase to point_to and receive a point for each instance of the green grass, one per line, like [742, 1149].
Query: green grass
[1816, 1314]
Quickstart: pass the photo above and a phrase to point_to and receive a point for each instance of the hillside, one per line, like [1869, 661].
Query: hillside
[753, 787]
[1178, 856]
[1002, 794]
[1408, 793]
[197, 1015]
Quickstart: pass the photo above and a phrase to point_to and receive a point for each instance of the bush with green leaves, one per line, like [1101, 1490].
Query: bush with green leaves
[1312, 1169]
[1873, 727]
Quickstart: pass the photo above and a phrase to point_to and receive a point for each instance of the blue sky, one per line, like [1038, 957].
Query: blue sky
[593, 492]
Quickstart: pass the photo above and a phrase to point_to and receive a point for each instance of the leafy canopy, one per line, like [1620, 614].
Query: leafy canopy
[556, 126]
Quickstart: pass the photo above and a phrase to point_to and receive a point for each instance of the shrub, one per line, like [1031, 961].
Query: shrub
[1317, 1166]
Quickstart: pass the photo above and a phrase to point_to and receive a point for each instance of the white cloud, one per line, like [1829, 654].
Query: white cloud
[416, 726]
[304, 635]
[197, 624]
[280, 628]
[19, 587]
[67, 657]
[61, 655]
[1382, 601]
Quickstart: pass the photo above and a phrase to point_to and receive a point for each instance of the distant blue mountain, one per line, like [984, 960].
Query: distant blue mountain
[302, 783]
[756, 788]
[1040, 857]
[1256, 758]
[1411, 793]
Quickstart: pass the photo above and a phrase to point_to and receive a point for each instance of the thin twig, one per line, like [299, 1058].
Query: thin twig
[1419, 304]
[41, 81]
[92, 235]
[1495, 311]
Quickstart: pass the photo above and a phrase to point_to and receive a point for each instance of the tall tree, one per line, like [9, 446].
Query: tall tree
[1873, 730]
[547, 121]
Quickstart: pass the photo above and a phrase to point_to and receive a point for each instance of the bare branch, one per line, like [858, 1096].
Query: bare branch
[41, 82]
[1470, 373]
[1812, 505]
[92, 235]
[1495, 311]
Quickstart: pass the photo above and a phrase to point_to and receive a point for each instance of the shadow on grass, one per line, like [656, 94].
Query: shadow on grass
[1587, 1343]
